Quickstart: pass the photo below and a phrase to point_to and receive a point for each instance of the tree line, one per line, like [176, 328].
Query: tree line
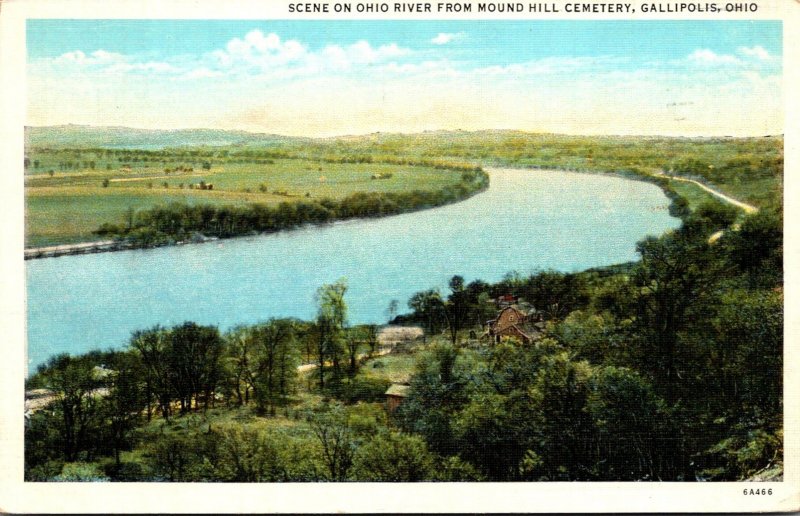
[180, 221]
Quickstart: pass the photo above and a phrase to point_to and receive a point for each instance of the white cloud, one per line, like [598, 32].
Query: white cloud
[257, 49]
[201, 73]
[98, 57]
[263, 43]
[151, 66]
[757, 51]
[255, 54]
[709, 57]
[360, 53]
[107, 62]
[444, 38]
[549, 65]
[260, 53]
[439, 68]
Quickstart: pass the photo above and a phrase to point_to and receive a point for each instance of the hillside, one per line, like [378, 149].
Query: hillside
[85, 136]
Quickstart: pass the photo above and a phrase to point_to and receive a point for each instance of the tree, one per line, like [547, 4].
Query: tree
[428, 307]
[336, 438]
[241, 363]
[509, 427]
[353, 339]
[194, 357]
[171, 457]
[391, 310]
[716, 215]
[631, 426]
[750, 348]
[152, 347]
[457, 307]
[394, 457]
[757, 248]
[73, 382]
[372, 337]
[331, 321]
[125, 400]
[246, 454]
[437, 393]
[492, 435]
[562, 432]
[676, 278]
[276, 360]
[554, 293]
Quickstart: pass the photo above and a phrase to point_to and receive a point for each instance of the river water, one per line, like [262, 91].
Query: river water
[526, 220]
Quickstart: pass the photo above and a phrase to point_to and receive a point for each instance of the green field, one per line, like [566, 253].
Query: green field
[72, 191]
[749, 169]
[67, 206]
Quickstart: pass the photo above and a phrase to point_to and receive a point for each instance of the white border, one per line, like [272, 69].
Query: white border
[18, 496]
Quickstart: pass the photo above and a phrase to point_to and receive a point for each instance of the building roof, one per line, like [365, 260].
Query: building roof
[397, 389]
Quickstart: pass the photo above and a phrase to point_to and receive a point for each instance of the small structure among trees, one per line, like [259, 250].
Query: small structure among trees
[395, 395]
[513, 321]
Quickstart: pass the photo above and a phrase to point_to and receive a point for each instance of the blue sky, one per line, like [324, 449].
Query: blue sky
[321, 78]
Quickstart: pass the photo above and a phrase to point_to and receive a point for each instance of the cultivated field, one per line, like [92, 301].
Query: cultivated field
[72, 191]
[68, 205]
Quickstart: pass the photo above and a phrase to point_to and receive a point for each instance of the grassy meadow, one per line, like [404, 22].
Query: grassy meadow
[72, 191]
[749, 169]
[67, 206]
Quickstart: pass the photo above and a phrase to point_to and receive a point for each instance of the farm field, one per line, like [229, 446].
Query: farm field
[72, 191]
[749, 169]
[67, 206]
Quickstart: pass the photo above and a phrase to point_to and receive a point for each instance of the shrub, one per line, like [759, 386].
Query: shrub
[81, 472]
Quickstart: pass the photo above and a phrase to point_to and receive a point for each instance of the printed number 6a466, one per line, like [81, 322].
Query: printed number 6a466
[749, 492]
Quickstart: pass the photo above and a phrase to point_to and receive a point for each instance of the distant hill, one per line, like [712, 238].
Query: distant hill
[130, 138]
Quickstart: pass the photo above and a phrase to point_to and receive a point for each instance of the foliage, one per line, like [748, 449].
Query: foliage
[330, 327]
[669, 368]
[80, 472]
[331, 428]
[393, 457]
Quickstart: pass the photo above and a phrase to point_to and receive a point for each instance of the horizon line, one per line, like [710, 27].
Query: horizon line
[402, 133]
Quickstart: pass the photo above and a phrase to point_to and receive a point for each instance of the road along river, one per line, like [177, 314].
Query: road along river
[526, 220]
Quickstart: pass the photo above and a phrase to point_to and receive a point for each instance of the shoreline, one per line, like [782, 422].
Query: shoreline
[101, 246]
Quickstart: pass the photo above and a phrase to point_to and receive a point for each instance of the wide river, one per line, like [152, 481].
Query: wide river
[526, 220]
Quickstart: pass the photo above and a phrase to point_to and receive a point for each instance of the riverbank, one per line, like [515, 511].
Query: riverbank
[102, 246]
[178, 223]
[55, 251]
[660, 179]
[747, 208]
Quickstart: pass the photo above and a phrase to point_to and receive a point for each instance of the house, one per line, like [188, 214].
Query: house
[505, 300]
[512, 321]
[395, 395]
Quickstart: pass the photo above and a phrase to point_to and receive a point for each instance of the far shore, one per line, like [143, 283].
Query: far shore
[101, 246]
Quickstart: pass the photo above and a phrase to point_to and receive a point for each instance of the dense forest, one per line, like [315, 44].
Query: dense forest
[669, 368]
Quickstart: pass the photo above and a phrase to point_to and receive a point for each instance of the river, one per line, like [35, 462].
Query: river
[526, 220]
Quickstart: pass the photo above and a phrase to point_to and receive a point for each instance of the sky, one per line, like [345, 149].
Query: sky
[328, 78]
